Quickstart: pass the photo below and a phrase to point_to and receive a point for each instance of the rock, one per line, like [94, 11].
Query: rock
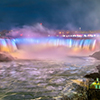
[96, 55]
[5, 57]
[94, 74]
[98, 68]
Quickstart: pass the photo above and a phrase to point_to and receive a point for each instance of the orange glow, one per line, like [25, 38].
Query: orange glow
[67, 32]
[94, 45]
[76, 49]
[6, 49]
[59, 32]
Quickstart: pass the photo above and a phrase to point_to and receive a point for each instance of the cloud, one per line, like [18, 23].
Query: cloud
[31, 31]
[55, 14]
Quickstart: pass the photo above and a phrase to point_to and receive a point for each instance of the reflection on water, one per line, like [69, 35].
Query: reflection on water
[42, 79]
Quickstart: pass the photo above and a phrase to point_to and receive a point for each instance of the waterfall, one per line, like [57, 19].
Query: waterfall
[11, 45]
[7, 45]
[70, 43]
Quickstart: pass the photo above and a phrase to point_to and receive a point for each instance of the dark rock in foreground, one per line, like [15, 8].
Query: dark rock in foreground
[94, 75]
[5, 57]
[96, 55]
[93, 94]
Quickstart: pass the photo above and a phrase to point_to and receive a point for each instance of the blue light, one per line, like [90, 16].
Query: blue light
[55, 41]
[3, 42]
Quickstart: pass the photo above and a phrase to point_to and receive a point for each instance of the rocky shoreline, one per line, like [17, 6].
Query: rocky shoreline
[96, 55]
[5, 57]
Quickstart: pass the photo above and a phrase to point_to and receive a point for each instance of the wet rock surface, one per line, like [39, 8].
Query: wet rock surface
[44, 80]
[4, 57]
[95, 74]
[96, 55]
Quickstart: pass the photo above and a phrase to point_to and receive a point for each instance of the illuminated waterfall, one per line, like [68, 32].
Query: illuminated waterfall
[7, 45]
[88, 44]
[10, 45]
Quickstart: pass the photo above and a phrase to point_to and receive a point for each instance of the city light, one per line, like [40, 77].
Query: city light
[21, 34]
[40, 23]
[59, 32]
[63, 35]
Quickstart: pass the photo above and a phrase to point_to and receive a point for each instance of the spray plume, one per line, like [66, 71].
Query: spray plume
[41, 50]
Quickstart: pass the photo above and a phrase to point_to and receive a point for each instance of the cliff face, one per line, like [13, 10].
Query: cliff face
[96, 55]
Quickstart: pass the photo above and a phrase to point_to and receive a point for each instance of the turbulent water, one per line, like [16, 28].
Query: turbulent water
[42, 79]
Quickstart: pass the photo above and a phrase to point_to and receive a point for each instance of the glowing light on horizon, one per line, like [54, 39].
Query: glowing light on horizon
[21, 34]
[63, 35]
[59, 32]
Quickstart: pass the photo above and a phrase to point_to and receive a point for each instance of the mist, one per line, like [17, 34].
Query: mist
[42, 50]
[26, 31]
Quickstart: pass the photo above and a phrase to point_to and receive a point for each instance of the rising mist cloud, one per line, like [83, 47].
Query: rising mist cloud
[31, 31]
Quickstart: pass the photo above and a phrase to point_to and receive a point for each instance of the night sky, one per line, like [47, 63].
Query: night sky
[54, 14]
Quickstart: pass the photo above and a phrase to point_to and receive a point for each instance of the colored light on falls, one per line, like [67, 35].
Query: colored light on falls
[7, 45]
[10, 45]
[70, 43]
